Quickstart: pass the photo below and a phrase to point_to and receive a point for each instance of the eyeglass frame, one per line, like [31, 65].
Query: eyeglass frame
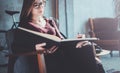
[38, 5]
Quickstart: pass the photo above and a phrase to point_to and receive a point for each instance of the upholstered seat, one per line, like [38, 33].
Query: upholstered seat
[106, 29]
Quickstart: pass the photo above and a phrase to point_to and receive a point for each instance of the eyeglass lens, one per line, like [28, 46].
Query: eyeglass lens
[37, 5]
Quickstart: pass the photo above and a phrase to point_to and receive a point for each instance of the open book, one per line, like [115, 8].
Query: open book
[54, 39]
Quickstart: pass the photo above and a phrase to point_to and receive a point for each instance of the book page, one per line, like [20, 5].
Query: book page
[80, 39]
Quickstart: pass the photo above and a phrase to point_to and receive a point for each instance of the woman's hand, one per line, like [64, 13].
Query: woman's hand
[40, 47]
[82, 43]
[52, 49]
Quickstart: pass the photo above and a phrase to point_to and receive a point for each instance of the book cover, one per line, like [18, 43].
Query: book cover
[54, 40]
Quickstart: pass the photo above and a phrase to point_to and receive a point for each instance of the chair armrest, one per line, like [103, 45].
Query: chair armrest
[24, 54]
[92, 34]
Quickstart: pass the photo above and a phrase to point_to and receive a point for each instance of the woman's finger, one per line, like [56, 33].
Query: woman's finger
[52, 49]
[86, 43]
[79, 45]
[83, 43]
[40, 46]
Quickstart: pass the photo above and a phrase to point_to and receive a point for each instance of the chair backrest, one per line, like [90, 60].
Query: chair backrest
[102, 27]
[9, 38]
[9, 41]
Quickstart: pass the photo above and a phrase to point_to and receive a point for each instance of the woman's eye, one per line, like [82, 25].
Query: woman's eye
[36, 5]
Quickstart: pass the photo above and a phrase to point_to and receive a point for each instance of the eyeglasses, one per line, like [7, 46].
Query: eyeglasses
[38, 5]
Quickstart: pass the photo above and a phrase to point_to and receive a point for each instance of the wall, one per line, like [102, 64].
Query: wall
[84, 9]
[66, 19]
[5, 19]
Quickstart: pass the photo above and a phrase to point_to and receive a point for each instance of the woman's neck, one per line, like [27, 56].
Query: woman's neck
[39, 21]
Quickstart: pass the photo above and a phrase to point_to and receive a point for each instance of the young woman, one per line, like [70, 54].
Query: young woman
[65, 59]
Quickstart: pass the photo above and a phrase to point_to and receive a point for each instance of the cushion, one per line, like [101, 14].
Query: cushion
[105, 24]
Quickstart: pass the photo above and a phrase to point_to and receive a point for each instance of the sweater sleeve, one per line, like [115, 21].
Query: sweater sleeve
[55, 25]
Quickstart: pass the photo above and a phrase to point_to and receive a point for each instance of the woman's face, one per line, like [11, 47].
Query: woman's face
[38, 8]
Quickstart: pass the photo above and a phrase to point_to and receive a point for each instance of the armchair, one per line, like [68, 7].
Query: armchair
[106, 29]
[14, 57]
